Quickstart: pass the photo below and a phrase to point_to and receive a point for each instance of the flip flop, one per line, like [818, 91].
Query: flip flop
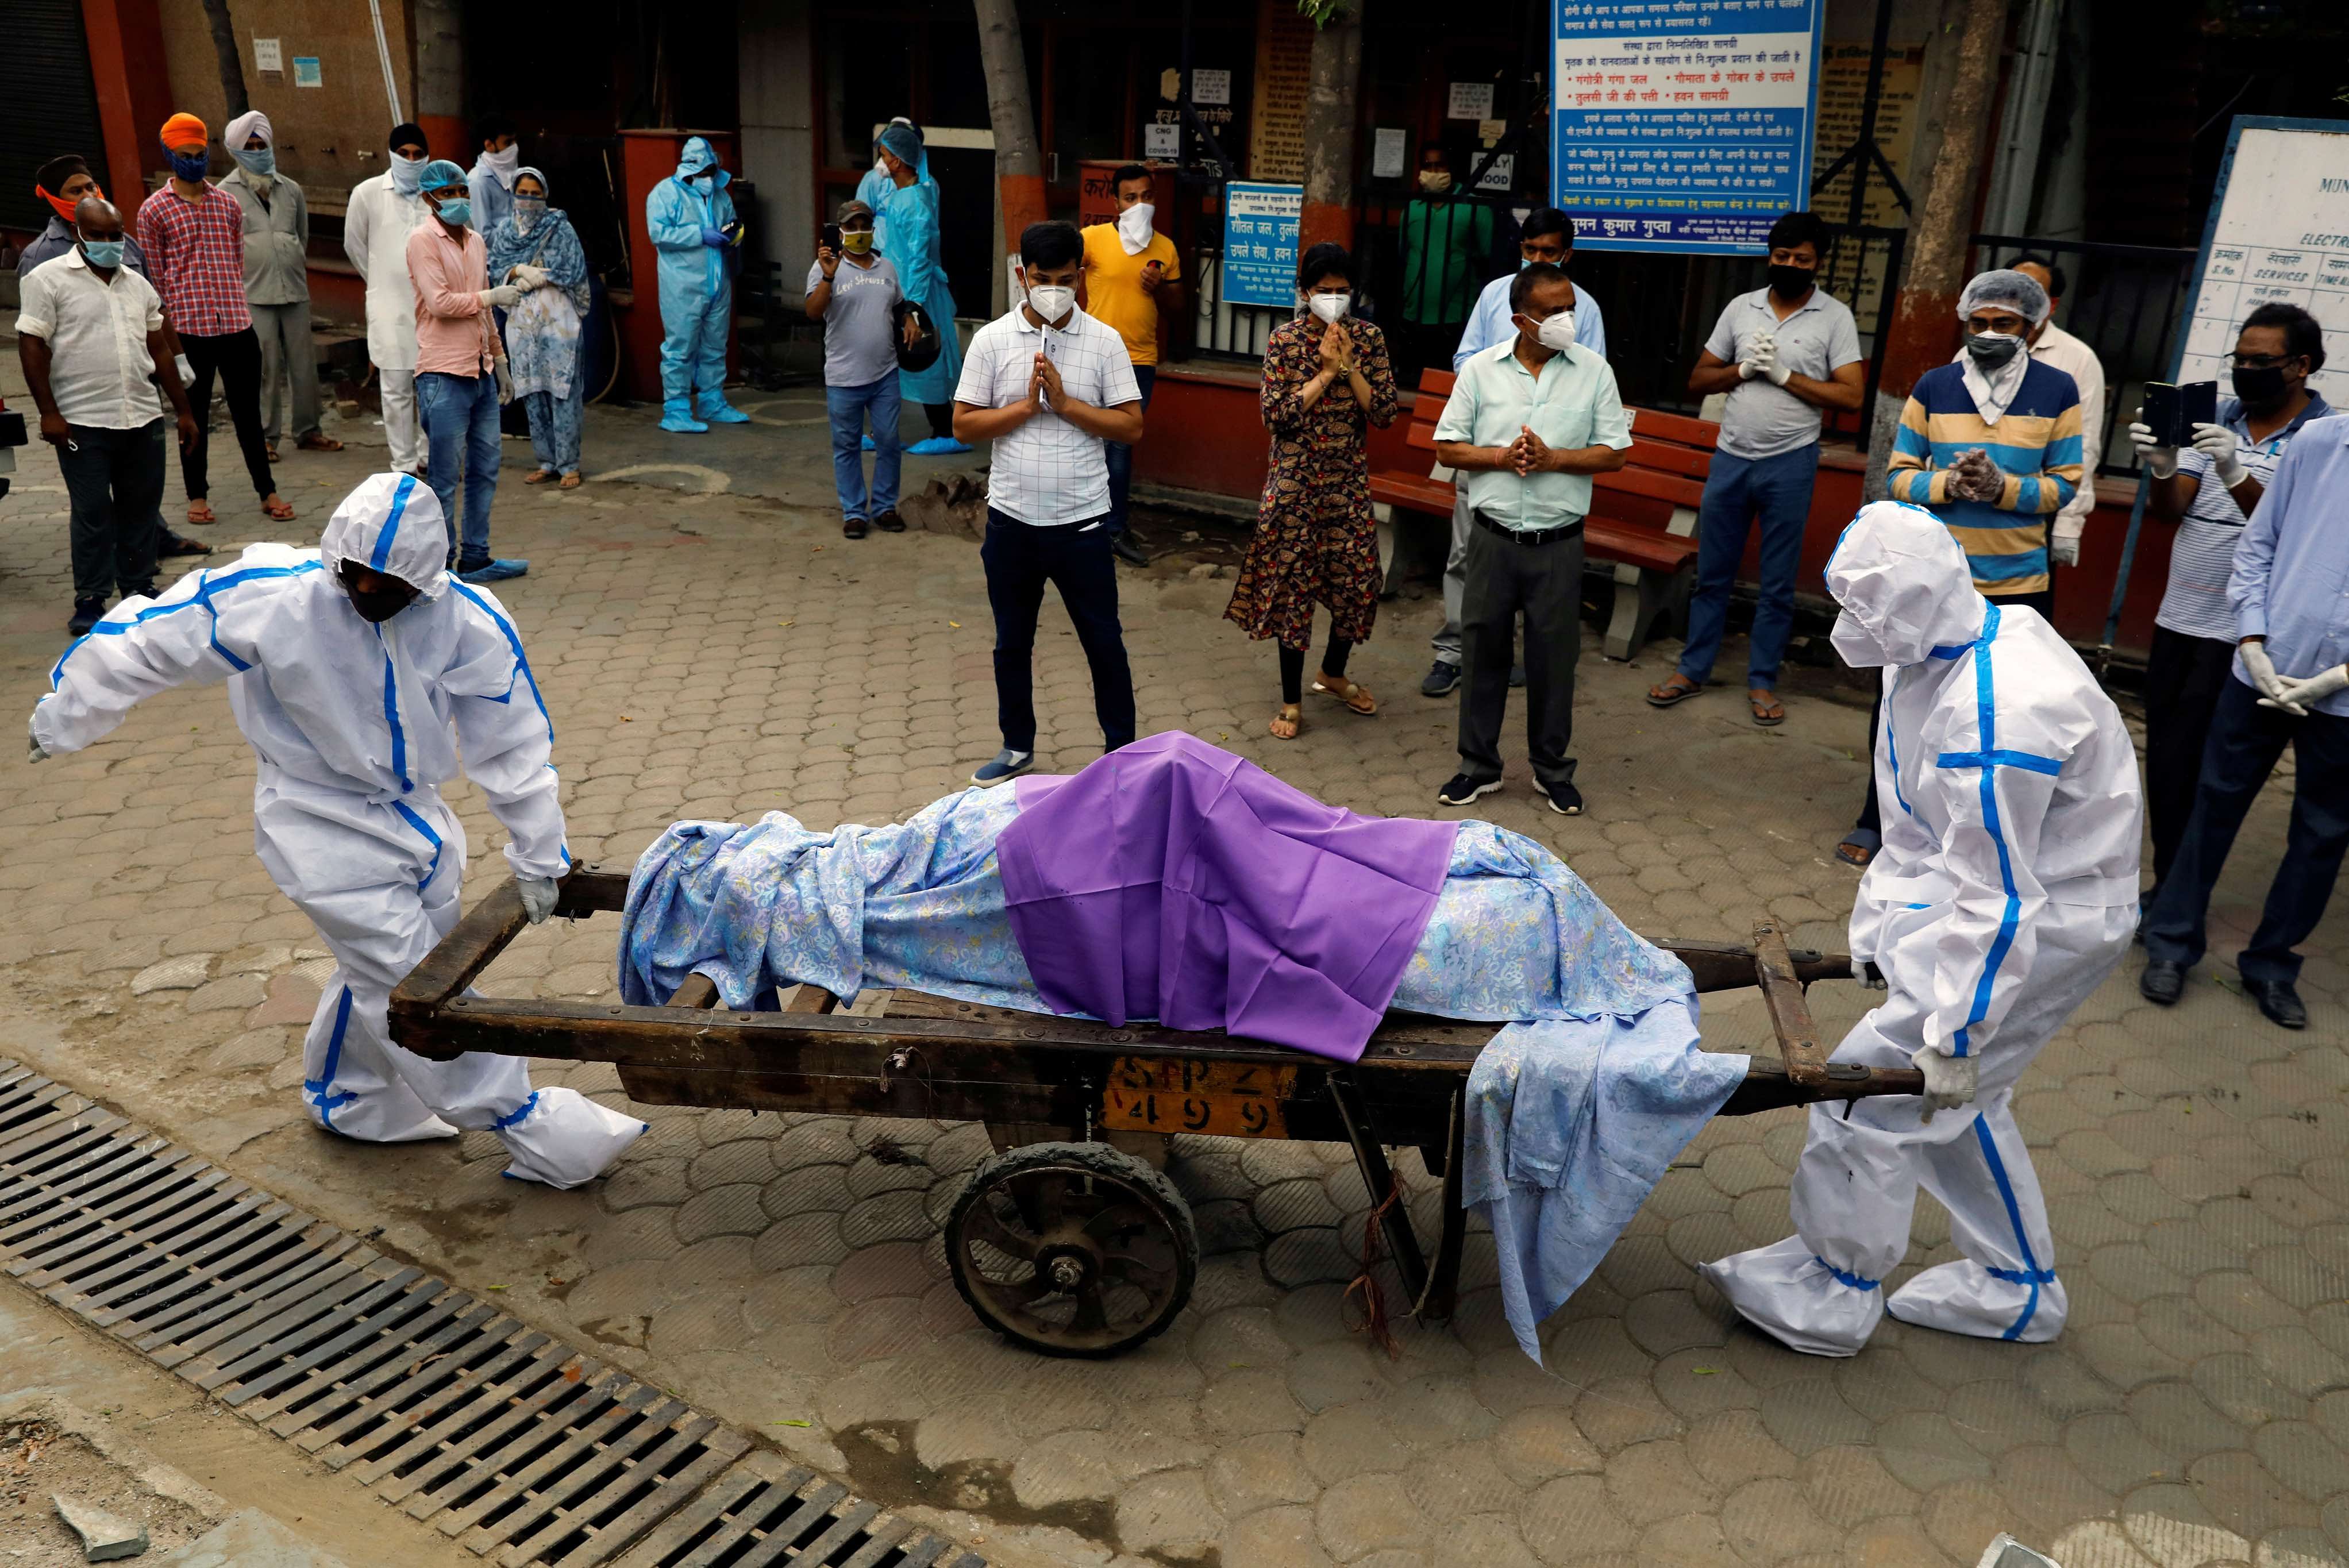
[1768, 711]
[1670, 693]
[539, 476]
[1362, 701]
[279, 511]
[204, 507]
[1859, 847]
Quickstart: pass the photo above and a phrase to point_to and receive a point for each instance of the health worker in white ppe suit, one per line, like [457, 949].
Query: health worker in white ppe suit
[357, 670]
[2004, 893]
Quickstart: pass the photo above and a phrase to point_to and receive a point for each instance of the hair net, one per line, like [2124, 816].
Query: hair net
[902, 142]
[439, 175]
[244, 128]
[2019, 291]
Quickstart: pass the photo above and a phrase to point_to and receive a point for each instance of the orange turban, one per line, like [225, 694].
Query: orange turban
[184, 130]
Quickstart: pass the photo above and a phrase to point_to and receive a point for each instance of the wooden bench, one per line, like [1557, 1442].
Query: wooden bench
[1647, 530]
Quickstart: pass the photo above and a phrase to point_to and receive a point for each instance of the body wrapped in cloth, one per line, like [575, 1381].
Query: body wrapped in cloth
[1177, 882]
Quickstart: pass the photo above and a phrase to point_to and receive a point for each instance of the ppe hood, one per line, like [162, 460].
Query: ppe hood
[700, 158]
[391, 524]
[1904, 586]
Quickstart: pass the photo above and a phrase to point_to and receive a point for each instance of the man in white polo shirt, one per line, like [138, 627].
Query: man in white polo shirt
[89, 335]
[1049, 385]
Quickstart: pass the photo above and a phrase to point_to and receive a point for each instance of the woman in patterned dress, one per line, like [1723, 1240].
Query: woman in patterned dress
[1327, 379]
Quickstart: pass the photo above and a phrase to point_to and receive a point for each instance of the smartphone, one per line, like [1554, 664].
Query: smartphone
[2172, 412]
[832, 242]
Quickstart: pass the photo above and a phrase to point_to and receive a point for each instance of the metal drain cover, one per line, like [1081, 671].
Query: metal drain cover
[514, 1444]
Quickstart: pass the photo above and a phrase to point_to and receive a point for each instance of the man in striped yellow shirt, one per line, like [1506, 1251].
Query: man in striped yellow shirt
[1991, 442]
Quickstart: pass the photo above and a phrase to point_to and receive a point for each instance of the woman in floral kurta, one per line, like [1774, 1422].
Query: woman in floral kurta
[1327, 379]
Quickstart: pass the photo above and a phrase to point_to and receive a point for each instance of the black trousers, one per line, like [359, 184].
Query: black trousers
[1544, 585]
[114, 479]
[1020, 560]
[235, 358]
[2184, 677]
[2245, 740]
[1870, 817]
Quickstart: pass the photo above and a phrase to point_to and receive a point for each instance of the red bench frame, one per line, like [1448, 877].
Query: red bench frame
[1654, 563]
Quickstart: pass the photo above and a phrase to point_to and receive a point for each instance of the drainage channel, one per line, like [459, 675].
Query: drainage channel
[514, 1444]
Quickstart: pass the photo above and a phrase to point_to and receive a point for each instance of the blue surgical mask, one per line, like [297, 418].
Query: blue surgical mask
[258, 159]
[188, 166]
[102, 252]
[457, 210]
[407, 174]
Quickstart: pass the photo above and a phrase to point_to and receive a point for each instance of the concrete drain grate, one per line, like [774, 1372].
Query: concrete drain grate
[514, 1444]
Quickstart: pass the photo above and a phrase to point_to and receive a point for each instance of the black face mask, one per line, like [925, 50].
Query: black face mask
[379, 604]
[2260, 387]
[1790, 283]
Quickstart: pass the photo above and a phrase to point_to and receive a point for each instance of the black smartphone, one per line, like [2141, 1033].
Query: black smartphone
[2172, 412]
[832, 236]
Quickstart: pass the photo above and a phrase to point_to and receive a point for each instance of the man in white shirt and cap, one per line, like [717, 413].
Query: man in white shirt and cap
[382, 213]
[2051, 345]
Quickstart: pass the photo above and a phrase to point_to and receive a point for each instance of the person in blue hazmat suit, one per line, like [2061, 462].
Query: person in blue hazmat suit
[357, 671]
[2005, 893]
[906, 229]
[693, 225]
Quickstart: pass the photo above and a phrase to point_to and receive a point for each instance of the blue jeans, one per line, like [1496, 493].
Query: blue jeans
[848, 406]
[1776, 490]
[459, 414]
[1121, 455]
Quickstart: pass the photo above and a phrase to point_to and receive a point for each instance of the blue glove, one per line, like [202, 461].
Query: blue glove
[710, 236]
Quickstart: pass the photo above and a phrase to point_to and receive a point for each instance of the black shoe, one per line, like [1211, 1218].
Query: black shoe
[2162, 982]
[1441, 681]
[1464, 790]
[1516, 678]
[2279, 1001]
[890, 522]
[851, 528]
[180, 544]
[1564, 799]
[1121, 545]
[85, 614]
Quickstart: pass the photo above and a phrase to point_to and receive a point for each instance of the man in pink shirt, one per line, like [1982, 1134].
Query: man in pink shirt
[460, 368]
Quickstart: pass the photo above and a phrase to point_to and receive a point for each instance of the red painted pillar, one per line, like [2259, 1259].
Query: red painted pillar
[134, 93]
[647, 158]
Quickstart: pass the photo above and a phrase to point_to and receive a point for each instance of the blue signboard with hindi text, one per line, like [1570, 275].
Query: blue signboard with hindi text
[1260, 227]
[1683, 126]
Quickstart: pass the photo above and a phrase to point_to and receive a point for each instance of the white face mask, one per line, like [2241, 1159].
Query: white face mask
[1051, 301]
[1557, 332]
[1329, 307]
[1134, 227]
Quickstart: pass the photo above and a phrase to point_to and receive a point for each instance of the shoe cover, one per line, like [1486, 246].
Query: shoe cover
[677, 414]
[936, 446]
[719, 411]
[1964, 1297]
[565, 1140]
[1789, 1294]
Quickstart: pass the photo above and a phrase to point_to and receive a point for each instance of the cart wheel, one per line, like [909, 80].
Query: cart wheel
[1072, 1249]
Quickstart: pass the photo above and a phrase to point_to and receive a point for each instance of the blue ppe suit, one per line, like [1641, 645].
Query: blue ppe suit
[696, 290]
[906, 229]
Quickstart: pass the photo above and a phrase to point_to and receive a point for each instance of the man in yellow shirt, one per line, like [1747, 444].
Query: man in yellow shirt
[1131, 274]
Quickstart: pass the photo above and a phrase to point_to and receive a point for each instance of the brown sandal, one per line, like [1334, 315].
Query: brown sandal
[200, 513]
[1674, 688]
[1354, 695]
[569, 482]
[539, 476]
[279, 508]
[1291, 716]
[318, 442]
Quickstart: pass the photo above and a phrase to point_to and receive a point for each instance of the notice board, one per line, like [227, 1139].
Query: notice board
[1261, 226]
[1683, 126]
[2278, 231]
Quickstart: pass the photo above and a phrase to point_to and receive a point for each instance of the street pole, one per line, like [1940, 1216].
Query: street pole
[1019, 162]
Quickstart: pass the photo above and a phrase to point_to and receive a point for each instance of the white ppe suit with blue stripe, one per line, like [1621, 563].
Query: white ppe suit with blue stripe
[354, 724]
[2003, 895]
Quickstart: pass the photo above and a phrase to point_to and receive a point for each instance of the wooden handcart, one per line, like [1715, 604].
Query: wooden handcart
[1069, 1240]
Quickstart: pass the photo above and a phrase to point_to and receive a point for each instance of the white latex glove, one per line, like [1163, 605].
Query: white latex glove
[2274, 692]
[2066, 552]
[1751, 366]
[36, 754]
[506, 296]
[2219, 444]
[1871, 976]
[537, 897]
[1949, 1081]
[2160, 461]
[1776, 372]
[528, 276]
[187, 372]
[2301, 695]
[505, 380]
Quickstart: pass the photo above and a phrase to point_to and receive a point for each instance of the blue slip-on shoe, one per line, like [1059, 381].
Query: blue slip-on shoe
[1005, 764]
[722, 413]
[936, 446]
[495, 572]
[868, 444]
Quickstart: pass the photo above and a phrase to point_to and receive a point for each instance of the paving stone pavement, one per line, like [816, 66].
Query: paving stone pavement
[716, 656]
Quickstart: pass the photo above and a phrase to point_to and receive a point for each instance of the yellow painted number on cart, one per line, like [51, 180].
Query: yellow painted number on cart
[1171, 1094]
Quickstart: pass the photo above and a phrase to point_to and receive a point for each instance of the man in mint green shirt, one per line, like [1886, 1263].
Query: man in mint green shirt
[1529, 422]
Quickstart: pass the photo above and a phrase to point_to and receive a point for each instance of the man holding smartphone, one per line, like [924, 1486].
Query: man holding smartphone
[853, 290]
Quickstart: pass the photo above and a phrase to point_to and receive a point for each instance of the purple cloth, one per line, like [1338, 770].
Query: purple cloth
[1175, 880]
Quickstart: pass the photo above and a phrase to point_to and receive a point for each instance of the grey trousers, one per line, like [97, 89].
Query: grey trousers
[1455, 578]
[114, 481]
[286, 352]
[1544, 585]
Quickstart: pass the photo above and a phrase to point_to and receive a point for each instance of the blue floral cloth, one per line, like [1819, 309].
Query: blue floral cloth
[542, 331]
